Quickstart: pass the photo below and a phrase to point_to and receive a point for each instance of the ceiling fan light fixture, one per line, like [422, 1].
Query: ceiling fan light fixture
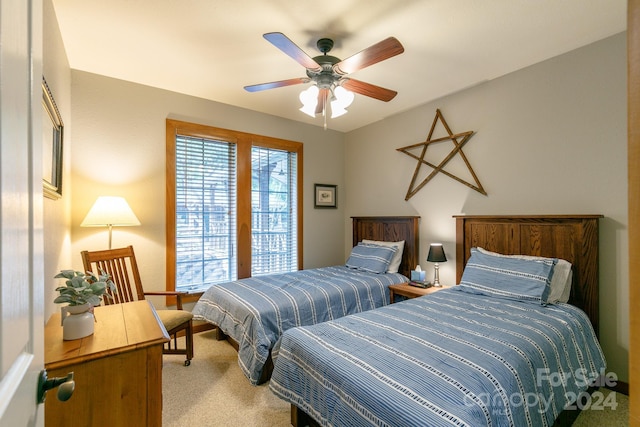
[341, 100]
[309, 99]
[337, 111]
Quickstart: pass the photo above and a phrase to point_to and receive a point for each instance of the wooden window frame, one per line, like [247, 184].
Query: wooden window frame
[244, 143]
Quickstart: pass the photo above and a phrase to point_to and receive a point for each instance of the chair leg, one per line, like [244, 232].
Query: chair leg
[171, 347]
[189, 343]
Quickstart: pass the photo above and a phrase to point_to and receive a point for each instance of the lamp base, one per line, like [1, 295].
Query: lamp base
[436, 277]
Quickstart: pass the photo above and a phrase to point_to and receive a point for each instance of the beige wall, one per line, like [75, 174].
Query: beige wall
[119, 149]
[550, 139]
[57, 213]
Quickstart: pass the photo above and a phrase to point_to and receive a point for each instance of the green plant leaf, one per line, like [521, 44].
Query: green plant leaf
[83, 288]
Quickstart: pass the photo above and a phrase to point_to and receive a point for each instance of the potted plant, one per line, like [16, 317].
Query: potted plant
[82, 292]
[83, 288]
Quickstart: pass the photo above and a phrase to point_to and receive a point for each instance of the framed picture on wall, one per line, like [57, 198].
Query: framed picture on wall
[326, 196]
[52, 131]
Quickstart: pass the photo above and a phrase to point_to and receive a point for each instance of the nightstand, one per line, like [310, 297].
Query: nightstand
[409, 291]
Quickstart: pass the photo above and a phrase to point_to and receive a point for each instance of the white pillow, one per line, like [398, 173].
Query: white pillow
[566, 292]
[560, 281]
[394, 265]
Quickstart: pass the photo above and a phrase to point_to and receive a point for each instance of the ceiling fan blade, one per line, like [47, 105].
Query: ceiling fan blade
[380, 51]
[368, 89]
[283, 43]
[273, 85]
[323, 96]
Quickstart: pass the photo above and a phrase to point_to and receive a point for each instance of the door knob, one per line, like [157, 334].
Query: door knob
[65, 385]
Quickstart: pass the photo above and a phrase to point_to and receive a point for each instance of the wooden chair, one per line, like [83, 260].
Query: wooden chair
[121, 265]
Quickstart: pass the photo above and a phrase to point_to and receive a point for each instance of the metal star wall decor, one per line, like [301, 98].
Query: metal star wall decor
[458, 139]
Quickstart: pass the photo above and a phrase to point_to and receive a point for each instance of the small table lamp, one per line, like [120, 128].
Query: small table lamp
[109, 211]
[436, 254]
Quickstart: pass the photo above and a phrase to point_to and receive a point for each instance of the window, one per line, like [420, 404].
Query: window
[205, 211]
[233, 205]
[273, 227]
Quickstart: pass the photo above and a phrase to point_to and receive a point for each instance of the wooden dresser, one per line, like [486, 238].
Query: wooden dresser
[117, 370]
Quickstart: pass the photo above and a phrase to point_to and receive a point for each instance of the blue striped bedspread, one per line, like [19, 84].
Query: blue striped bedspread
[446, 359]
[257, 310]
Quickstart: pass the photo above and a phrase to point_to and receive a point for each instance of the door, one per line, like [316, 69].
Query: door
[21, 257]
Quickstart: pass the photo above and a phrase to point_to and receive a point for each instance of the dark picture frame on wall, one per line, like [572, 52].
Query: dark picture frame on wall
[52, 140]
[326, 196]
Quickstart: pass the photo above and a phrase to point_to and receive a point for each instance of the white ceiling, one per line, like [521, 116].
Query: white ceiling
[213, 48]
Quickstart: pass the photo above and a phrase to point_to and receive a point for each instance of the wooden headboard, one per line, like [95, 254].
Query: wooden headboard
[391, 229]
[570, 237]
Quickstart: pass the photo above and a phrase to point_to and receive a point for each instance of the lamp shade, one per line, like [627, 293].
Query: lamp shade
[110, 211]
[436, 253]
[343, 98]
[309, 99]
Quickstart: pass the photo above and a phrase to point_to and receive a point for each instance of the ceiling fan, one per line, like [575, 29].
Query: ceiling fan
[329, 74]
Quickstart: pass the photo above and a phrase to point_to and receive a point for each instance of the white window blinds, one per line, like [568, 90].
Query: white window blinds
[273, 211]
[205, 209]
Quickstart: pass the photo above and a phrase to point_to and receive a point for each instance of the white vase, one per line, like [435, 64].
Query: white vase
[77, 321]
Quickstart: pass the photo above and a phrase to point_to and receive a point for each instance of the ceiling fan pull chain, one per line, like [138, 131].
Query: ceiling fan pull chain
[324, 113]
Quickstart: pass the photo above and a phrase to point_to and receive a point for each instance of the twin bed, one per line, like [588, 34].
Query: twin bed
[490, 351]
[509, 346]
[254, 312]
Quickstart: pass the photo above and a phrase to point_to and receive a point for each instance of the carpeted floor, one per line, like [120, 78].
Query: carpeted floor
[608, 410]
[214, 392]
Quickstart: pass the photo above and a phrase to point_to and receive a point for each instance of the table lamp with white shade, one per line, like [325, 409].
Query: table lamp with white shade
[110, 211]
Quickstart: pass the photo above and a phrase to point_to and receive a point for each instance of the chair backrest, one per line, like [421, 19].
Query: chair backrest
[121, 265]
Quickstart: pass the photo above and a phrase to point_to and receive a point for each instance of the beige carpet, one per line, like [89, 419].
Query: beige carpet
[213, 392]
[606, 412]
